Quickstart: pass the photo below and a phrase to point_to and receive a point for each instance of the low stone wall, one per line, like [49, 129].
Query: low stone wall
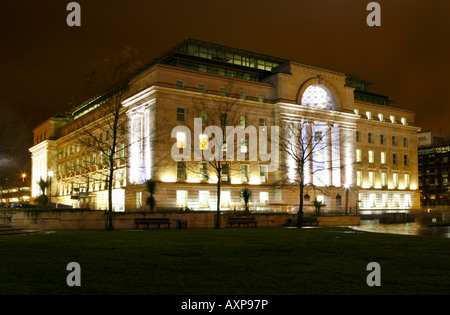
[96, 220]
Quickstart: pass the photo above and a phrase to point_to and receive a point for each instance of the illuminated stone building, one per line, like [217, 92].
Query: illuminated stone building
[369, 151]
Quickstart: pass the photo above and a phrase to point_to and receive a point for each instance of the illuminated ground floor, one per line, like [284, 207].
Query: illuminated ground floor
[172, 196]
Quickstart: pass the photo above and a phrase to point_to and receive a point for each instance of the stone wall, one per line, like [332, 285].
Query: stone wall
[96, 220]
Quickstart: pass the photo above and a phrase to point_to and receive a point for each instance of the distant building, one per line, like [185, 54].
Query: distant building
[18, 192]
[434, 161]
[429, 138]
[370, 157]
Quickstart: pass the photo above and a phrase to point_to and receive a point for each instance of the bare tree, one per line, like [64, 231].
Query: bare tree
[216, 146]
[305, 158]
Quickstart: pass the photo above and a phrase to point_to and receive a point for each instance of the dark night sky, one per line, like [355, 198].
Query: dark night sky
[43, 62]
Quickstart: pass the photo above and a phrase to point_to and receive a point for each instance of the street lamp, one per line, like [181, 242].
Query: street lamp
[50, 175]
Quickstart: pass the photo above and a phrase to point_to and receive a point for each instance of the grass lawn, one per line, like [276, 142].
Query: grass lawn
[261, 261]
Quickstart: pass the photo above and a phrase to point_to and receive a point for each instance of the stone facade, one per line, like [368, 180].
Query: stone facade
[356, 155]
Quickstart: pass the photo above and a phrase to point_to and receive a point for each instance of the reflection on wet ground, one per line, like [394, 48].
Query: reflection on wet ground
[410, 228]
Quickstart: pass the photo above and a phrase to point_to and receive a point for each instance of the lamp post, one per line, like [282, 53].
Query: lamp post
[50, 175]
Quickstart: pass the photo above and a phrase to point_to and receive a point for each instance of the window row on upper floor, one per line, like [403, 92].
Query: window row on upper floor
[381, 117]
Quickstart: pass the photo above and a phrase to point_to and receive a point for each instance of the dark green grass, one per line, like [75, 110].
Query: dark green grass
[275, 261]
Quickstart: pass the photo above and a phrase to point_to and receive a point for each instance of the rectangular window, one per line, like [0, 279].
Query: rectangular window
[382, 139]
[203, 171]
[383, 157]
[406, 178]
[370, 137]
[358, 178]
[244, 173]
[384, 179]
[180, 84]
[395, 180]
[139, 200]
[371, 179]
[244, 121]
[203, 197]
[405, 160]
[204, 116]
[405, 142]
[182, 198]
[317, 136]
[181, 114]
[394, 158]
[203, 141]
[243, 95]
[223, 91]
[181, 139]
[261, 97]
[263, 173]
[181, 170]
[225, 199]
[358, 155]
[394, 141]
[263, 198]
[202, 88]
[358, 136]
[371, 157]
[225, 173]
[263, 124]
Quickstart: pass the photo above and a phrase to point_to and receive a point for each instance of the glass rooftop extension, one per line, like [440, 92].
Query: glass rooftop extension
[222, 60]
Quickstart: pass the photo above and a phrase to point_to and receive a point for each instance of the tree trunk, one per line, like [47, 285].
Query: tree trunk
[109, 219]
[217, 223]
[300, 207]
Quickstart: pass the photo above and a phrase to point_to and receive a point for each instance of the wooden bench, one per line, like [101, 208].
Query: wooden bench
[310, 221]
[152, 221]
[242, 221]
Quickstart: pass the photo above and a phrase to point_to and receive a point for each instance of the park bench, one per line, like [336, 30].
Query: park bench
[242, 221]
[152, 221]
[310, 221]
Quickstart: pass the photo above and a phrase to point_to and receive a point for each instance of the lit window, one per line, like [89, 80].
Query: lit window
[384, 179]
[204, 116]
[383, 157]
[371, 157]
[263, 197]
[264, 172]
[203, 141]
[225, 199]
[182, 198]
[203, 197]
[371, 179]
[395, 180]
[244, 173]
[181, 139]
[244, 121]
[358, 178]
[358, 155]
[406, 177]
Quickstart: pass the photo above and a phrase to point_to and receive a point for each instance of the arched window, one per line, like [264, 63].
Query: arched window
[318, 96]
